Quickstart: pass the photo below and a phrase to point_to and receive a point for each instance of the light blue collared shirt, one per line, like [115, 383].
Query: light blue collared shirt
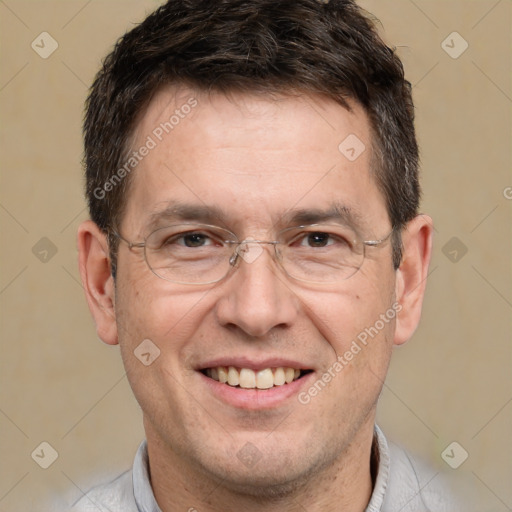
[402, 484]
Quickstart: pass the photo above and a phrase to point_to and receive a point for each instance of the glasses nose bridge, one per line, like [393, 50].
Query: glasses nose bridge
[243, 250]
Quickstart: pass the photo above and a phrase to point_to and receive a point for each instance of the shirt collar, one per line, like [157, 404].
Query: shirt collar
[381, 460]
[145, 499]
[142, 491]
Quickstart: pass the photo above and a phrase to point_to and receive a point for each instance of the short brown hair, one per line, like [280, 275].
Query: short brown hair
[330, 48]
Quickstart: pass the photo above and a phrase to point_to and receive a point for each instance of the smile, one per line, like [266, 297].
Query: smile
[247, 378]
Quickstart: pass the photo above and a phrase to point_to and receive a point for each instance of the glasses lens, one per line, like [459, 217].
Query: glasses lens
[321, 253]
[189, 253]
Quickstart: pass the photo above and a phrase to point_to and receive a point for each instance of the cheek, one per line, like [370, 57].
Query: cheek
[344, 315]
[156, 325]
[152, 308]
[358, 326]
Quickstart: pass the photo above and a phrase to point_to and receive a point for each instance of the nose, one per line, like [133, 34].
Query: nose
[256, 297]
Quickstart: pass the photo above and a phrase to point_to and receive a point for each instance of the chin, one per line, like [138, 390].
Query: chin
[273, 477]
[265, 484]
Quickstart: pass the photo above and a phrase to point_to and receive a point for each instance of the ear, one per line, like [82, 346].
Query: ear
[97, 280]
[411, 276]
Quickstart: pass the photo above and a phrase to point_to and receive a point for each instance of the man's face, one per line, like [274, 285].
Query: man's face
[256, 162]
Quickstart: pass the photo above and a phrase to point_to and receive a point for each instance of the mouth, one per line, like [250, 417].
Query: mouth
[247, 378]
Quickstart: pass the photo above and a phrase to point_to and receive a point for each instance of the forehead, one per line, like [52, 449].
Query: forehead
[253, 158]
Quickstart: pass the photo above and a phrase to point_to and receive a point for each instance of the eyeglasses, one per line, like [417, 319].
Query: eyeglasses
[202, 254]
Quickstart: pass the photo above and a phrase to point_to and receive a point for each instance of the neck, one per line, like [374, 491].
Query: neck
[344, 484]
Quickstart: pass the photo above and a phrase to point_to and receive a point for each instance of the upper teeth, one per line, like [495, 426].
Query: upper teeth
[249, 379]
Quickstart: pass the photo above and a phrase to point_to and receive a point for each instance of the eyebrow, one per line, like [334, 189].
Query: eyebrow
[335, 212]
[177, 211]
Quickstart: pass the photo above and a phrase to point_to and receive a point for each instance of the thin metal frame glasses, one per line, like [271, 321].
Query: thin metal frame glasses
[201, 254]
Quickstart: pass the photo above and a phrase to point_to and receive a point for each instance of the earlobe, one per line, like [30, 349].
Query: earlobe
[97, 280]
[411, 276]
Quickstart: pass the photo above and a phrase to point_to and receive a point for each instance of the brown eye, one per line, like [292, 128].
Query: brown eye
[195, 240]
[318, 239]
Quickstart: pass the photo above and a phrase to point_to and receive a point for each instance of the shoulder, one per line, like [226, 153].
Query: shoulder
[416, 487]
[114, 496]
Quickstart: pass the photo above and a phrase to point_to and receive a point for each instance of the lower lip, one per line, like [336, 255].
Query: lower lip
[255, 399]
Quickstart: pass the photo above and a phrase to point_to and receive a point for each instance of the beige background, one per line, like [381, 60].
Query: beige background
[61, 385]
